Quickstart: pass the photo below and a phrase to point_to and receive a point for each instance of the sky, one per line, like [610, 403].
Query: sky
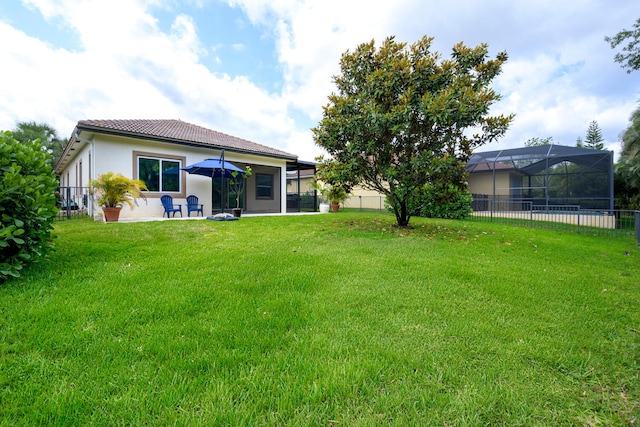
[262, 70]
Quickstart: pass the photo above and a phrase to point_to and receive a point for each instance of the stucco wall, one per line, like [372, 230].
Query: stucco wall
[482, 183]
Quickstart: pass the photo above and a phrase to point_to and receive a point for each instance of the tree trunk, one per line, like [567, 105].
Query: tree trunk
[401, 212]
[403, 219]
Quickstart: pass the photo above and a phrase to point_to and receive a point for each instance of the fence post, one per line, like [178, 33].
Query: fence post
[637, 224]
[531, 214]
[68, 197]
[493, 204]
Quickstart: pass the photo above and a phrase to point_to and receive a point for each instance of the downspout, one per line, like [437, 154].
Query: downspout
[283, 188]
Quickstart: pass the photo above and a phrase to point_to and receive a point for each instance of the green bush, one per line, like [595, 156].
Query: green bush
[27, 204]
[446, 196]
[443, 201]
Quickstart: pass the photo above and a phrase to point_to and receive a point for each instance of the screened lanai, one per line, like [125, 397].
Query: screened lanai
[542, 177]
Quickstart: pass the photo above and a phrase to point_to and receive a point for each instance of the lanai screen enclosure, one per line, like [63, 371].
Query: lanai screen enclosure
[542, 177]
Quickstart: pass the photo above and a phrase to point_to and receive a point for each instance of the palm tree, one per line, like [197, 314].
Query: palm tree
[29, 131]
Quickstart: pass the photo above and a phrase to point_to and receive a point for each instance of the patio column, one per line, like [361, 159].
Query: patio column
[283, 188]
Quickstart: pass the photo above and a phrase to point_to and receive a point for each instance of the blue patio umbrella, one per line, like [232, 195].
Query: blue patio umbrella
[215, 168]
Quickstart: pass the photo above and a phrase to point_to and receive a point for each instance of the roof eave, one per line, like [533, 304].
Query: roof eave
[115, 132]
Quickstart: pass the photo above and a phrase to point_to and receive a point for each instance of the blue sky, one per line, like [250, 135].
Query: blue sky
[261, 70]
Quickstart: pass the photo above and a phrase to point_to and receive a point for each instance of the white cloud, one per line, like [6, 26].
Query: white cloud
[559, 77]
[128, 68]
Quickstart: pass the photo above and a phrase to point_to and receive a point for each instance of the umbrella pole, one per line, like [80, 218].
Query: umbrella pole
[222, 195]
[213, 208]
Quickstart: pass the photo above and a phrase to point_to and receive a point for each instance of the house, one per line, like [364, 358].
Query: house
[155, 151]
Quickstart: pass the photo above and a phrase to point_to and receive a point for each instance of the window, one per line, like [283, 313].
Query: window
[161, 174]
[264, 186]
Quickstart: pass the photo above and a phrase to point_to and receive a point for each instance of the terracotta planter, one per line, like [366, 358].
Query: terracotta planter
[111, 214]
[335, 207]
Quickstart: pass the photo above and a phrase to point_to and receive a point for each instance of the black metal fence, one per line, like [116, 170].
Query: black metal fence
[558, 217]
[73, 202]
[522, 212]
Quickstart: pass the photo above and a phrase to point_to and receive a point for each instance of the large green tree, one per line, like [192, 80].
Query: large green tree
[31, 131]
[401, 111]
[627, 179]
[630, 56]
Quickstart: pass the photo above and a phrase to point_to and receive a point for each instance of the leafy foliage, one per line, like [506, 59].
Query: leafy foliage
[30, 131]
[627, 174]
[397, 108]
[27, 204]
[630, 55]
[446, 196]
[113, 190]
[331, 181]
[443, 200]
[536, 142]
[332, 193]
[237, 182]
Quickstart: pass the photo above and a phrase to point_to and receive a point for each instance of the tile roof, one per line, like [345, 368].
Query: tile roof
[178, 131]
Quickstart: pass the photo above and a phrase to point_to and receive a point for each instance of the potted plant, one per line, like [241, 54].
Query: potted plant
[332, 196]
[237, 185]
[113, 190]
[336, 183]
[336, 194]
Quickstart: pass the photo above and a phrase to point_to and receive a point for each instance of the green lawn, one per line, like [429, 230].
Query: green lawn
[322, 320]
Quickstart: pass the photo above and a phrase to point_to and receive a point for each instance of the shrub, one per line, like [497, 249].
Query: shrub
[446, 195]
[27, 204]
[443, 201]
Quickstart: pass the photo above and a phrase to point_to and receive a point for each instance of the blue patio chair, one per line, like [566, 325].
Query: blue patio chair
[169, 207]
[193, 206]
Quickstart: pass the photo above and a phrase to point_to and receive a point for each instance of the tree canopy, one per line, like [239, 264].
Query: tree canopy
[594, 139]
[628, 167]
[536, 142]
[402, 114]
[30, 131]
[630, 56]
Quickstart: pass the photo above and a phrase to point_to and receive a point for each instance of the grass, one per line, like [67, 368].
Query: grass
[339, 319]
